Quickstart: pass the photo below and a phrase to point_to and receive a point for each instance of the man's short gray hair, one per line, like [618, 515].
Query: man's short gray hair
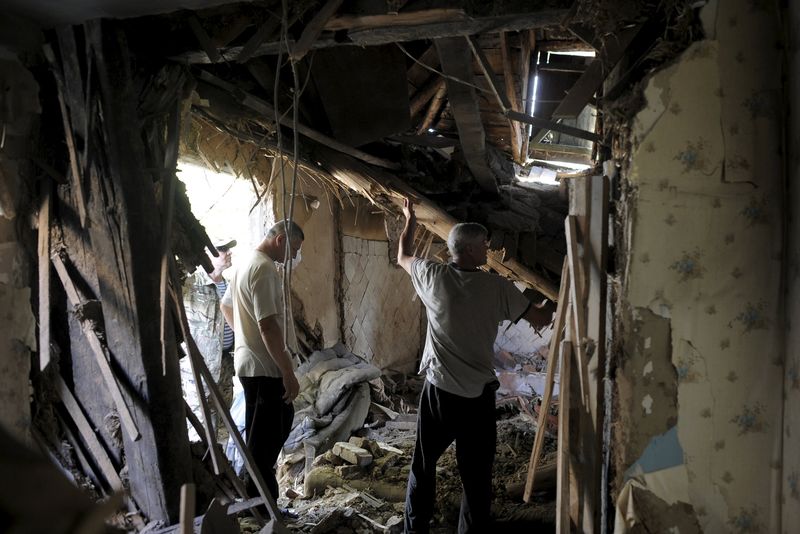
[284, 227]
[464, 234]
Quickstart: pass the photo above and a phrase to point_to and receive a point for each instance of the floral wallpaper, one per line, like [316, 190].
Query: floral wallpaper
[705, 238]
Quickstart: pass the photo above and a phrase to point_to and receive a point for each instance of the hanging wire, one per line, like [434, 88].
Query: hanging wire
[440, 73]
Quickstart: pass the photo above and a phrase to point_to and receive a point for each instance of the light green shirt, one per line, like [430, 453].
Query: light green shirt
[464, 309]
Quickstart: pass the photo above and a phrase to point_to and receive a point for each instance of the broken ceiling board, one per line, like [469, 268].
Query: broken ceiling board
[457, 63]
[592, 78]
[372, 36]
[369, 103]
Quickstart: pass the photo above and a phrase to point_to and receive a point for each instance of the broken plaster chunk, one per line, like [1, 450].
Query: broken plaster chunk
[648, 368]
[348, 471]
[352, 454]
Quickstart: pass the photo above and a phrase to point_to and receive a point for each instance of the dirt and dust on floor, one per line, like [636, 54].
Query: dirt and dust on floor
[358, 485]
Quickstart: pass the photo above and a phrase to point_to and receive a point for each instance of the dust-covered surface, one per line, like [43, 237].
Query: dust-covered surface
[344, 498]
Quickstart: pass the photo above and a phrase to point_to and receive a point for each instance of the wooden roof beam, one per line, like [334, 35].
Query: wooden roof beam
[385, 189]
[370, 36]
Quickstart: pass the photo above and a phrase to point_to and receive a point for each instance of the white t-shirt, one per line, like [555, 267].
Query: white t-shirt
[464, 309]
[255, 293]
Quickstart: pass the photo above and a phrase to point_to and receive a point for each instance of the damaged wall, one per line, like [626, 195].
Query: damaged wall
[314, 281]
[381, 312]
[19, 114]
[700, 381]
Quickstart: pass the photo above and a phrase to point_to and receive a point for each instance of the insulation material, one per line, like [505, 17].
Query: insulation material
[705, 260]
[381, 312]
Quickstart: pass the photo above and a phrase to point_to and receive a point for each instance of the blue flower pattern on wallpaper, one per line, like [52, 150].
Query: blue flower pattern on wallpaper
[752, 317]
[751, 420]
[756, 212]
[792, 482]
[692, 157]
[688, 266]
[747, 520]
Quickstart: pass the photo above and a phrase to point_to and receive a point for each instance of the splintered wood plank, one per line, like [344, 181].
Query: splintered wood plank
[187, 509]
[577, 289]
[211, 435]
[563, 458]
[552, 362]
[99, 453]
[43, 250]
[99, 350]
[313, 29]
[222, 410]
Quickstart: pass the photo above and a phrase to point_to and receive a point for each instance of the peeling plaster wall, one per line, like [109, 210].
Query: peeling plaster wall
[19, 110]
[381, 312]
[701, 303]
[314, 280]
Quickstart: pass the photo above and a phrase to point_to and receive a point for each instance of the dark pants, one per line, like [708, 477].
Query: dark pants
[442, 418]
[268, 421]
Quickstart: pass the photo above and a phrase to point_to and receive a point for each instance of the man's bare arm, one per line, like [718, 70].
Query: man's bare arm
[404, 257]
[227, 312]
[272, 335]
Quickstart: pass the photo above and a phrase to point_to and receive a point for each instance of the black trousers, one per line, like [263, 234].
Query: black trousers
[442, 418]
[268, 422]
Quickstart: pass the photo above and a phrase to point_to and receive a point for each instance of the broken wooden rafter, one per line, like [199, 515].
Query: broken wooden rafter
[592, 78]
[99, 350]
[383, 189]
[313, 29]
[554, 126]
[371, 36]
[433, 109]
[268, 113]
[513, 98]
[425, 94]
[528, 46]
[406, 18]
[204, 39]
[262, 34]
[457, 65]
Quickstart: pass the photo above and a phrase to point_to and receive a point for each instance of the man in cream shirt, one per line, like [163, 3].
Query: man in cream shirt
[254, 306]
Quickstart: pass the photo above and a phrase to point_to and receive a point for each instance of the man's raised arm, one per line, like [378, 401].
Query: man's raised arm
[404, 257]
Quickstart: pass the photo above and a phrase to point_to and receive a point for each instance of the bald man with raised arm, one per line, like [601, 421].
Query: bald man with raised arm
[464, 306]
